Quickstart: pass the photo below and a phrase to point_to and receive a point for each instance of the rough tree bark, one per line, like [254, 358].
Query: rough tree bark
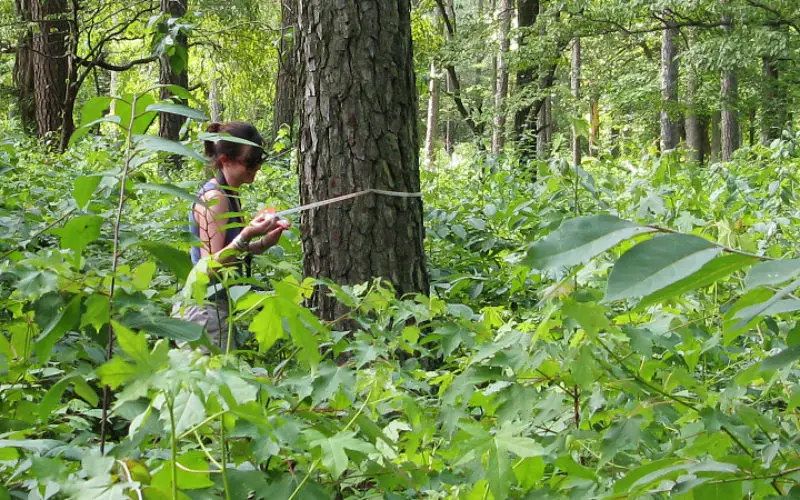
[170, 124]
[432, 120]
[669, 87]
[50, 64]
[773, 106]
[285, 81]
[214, 102]
[23, 70]
[575, 86]
[716, 135]
[544, 127]
[358, 130]
[505, 8]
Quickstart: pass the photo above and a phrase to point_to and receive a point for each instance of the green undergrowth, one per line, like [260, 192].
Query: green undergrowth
[627, 330]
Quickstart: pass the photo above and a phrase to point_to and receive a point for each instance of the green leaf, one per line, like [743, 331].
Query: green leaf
[142, 119]
[116, 372]
[95, 108]
[215, 137]
[170, 257]
[83, 390]
[782, 359]
[154, 143]
[772, 273]
[709, 274]
[578, 240]
[764, 307]
[87, 127]
[83, 189]
[79, 232]
[333, 449]
[658, 263]
[163, 326]
[133, 344]
[187, 480]
[178, 109]
[620, 437]
[498, 472]
[625, 484]
[52, 398]
[96, 312]
[722, 491]
[63, 322]
[169, 189]
[331, 379]
[188, 410]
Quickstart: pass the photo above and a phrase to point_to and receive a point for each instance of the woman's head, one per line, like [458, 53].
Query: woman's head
[232, 157]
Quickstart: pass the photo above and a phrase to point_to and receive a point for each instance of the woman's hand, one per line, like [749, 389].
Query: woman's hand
[271, 237]
[262, 224]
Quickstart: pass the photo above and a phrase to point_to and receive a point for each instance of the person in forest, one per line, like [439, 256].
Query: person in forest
[228, 240]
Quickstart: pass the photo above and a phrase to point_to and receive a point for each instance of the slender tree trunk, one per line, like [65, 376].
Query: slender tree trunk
[729, 95]
[527, 12]
[575, 85]
[773, 106]
[449, 127]
[432, 121]
[544, 125]
[716, 136]
[594, 125]
[669, 88]
[50, 65]
[173, 72]
[23, 70]
[285, 84]
[751, 127]
[694, 138]
[358, 117]
[501, 92]
[214, 102]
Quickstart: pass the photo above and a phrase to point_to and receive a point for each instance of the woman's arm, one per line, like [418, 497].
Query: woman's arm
[210, 224]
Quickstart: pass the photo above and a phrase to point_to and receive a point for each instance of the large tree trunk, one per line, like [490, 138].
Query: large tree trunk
[544, 126]
[773, 106]
[23, 70]
[170, 124]
[669, 88]
[286, 81]
[716, 136]
[501, 91]
[50, 65]
[432, 121]
[527, 12]
[575, 85]
[358, 130]
[214, 102]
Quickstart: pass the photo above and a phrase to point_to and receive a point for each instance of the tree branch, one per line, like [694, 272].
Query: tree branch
[97, 63]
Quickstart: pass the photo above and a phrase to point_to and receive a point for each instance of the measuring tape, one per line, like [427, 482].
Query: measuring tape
[331, 201]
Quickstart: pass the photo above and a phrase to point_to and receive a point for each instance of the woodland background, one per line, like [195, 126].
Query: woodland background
[601, 303]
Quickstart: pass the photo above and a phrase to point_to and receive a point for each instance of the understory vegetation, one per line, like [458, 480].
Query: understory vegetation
[620, 330]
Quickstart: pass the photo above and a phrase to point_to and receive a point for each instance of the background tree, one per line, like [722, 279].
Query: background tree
[173, 64]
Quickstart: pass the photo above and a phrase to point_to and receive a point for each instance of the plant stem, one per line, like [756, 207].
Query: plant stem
[115, 262]
[224, 445]
[173, 460]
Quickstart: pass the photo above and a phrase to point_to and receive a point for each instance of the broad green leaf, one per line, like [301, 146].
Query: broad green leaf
[84, 187]
[783, 358]
[334, 457]
[267, 325]
[622, 436]
[96, 311]
[142, 118]
[730, 328]
[578, 240]
[154, 143]
[170, 257]
[79, 232]
[216, 137]
[95, 108]
[163, 326]
[331, 379]
[87, 127]
[656, 264]
[117, 372]
[52, 398]
[133, 344]
[590, 315]
[63, 322]
[529, 472]
[498, 472]
[169, 189]
[40, 446]
[781, 306]
[188, 410]
[719, 491]
[187, 480]
[764, 307]
[178, 109]
[82, 389]
[772, 273]
[709, 274]
[143, 275]
[625, 484]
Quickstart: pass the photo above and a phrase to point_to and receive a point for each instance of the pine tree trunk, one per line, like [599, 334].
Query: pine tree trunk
[773, 106]
[432, 121]
[694, 138]
[286, 81]
[669, 88]
[501, 92]
[358, 130]
[50, 65]
[169, 124]
[544, 125]
[575, 85]
[23, 70]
